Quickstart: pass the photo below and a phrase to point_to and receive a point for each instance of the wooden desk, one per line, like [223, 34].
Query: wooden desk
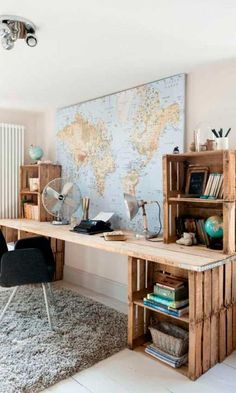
[212, 287]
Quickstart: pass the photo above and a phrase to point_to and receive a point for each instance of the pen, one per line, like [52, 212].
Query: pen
[227, 133]
[215, 133]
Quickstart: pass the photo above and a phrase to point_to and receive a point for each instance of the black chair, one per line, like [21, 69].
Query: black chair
[31, 262]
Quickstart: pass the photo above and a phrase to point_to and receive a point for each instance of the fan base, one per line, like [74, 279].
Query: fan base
[60, 222]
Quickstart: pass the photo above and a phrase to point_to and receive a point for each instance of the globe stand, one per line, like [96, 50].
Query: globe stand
[215, 244]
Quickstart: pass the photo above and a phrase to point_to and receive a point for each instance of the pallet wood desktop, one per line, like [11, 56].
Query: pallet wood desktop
[212, 288]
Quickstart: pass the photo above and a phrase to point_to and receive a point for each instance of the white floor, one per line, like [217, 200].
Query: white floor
[131, 372]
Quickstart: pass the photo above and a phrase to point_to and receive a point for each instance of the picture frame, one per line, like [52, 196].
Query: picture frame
[196, 180]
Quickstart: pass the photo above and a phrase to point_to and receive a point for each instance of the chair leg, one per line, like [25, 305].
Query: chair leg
[8, 303]
[47, 306]
[51, 293]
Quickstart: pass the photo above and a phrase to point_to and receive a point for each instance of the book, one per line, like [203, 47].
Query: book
[170, 294]
[165, 309]
[167, 302]
[173, 361]
[168, 281]
[213, 186]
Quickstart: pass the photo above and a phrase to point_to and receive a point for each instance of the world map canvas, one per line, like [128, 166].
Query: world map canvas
[114, 144]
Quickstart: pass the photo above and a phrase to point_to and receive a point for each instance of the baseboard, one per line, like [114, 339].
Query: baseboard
[96, 283]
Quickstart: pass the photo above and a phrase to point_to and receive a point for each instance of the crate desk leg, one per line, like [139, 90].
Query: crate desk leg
[132, 287]
[196, 288]
[138, 284]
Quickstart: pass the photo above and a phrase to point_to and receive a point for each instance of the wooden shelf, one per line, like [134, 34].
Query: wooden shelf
[182, 370]
[207, 153]
[195, 200]
[184, 319]
[28, 192]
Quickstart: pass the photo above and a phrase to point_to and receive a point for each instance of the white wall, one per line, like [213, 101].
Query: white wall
[211, 99]
[39, 128]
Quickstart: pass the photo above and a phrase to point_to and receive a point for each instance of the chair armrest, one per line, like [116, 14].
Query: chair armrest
[24, 266]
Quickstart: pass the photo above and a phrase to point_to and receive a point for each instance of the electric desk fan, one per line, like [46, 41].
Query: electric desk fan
[61, 199]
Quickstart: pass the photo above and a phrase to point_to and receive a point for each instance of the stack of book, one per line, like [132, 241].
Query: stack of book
[173, 361]
[214, 187]
[31, 211]
[170, 295]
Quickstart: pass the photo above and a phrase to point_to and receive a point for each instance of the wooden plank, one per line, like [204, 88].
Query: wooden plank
[222, 316]
[229, 175]
[206, 355]
[228, 225]
[59, 260]
[215, 317]
[166, 191]
[234, 302]
[199, 323]
[141, 286]
[192, 326]
[229, 311]
[132, 286]
[174, 255]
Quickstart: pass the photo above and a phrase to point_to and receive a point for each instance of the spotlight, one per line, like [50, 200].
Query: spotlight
[133, 205]
[31, 40]
[13, 28]
[4, 30]
[7, 42]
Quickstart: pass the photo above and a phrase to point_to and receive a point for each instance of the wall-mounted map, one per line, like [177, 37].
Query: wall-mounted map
[115, 144]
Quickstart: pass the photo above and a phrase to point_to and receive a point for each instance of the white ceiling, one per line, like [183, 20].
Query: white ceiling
[88, 48]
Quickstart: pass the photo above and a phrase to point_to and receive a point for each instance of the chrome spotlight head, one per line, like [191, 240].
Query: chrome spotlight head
[132, 205]
[31, 40]
[7, 42]
[13, 28]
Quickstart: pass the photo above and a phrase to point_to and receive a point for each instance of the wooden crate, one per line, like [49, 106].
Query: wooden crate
[212, 312]
[176, 204]
[45, 173]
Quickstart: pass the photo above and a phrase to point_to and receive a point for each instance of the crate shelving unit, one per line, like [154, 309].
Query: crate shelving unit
[177, 204]
[45, 173]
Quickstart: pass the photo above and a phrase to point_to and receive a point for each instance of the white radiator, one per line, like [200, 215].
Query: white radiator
[11, 158]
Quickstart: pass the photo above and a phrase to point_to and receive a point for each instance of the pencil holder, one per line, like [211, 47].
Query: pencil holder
[222, 143]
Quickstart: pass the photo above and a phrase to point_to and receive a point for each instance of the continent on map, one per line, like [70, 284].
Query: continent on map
[149, 123]
[89, 144]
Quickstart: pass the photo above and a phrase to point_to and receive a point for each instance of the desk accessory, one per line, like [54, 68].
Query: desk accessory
[196, 180]
[114, 236]
[35, 153]
[222, 141]
[133, 205]
[85, 208]
[92, 227]
[61, 199]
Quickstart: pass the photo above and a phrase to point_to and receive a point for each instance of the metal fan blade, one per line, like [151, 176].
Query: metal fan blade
[53, 193]
[70, 202]
[66, 189]
[57, 207]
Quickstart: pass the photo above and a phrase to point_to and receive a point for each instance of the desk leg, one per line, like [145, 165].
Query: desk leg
[196, 290]
[132, 286]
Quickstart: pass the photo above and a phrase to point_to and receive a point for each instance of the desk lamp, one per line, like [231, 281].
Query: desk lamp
[133, 205]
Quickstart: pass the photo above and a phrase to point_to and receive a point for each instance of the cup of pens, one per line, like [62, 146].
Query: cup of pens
[221, 138]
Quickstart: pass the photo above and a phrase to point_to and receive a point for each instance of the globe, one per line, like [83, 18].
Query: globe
[214, 227]
[35, 153]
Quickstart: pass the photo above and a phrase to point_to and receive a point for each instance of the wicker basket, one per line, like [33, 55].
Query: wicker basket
[170, 338]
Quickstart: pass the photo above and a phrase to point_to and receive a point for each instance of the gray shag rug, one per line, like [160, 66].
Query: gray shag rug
[33, 358]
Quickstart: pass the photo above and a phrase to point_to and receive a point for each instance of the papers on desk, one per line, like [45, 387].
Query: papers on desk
[103, 216]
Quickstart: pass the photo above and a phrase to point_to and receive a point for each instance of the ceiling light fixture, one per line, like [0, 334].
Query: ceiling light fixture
[13, 28]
